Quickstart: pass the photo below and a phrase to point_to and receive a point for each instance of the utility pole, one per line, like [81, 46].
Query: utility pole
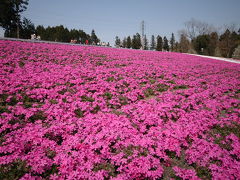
[143, 35]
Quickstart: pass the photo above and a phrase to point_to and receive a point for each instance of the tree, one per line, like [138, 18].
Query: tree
[62, 34]
[124, 42]
[165, 44]
[136, 41]
[145, 43]
[224, 43]
[129, 42]
[201, 44]
[153, 43]
[195, 28]
[94, 38]
[213, 43]
[10, 16]
[74, 34]
[27, 29]
[159, 43]
[172, 42]
[184, 44]
[41, 31]
[117, 42]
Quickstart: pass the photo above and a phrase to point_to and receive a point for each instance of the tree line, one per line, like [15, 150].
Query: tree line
[17, 26]
[197, 38]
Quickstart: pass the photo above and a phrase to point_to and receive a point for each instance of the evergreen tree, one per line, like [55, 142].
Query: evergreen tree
[134, 42]
[159, 43]
[94, 39]
[129, 42]
[124, 43]
[138, 41]
[62, 34]
[165, 44]
[10, 16]
[145, 43]
[172, 42]
[201, 44]
[153, 43]
[41, 31]
[117, 42]
[27, 29]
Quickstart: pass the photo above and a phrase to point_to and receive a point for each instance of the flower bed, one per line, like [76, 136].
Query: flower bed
[75, 112]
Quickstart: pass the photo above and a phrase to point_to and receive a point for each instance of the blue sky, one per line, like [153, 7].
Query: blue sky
[123, 17]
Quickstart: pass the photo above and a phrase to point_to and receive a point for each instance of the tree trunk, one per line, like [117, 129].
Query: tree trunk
[18, 30]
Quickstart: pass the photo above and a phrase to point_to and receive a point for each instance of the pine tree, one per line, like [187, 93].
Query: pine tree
[117, 42]
[94, 38]
[129, 42]
[145, 43]
[153, 43]
[138, 41]
[124, 42]
[172, 42]
[10, 16]
[159, 43]
[165, 44]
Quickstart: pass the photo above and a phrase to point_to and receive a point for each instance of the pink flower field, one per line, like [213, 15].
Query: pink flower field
[81, 112]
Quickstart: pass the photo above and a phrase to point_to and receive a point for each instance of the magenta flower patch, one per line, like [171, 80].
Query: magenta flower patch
[76, 112]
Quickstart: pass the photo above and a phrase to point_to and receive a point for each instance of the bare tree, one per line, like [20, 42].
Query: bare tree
[195, 27]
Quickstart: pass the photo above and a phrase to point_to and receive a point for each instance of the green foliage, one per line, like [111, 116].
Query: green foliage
[53, 101]
[180, 87]
[87, 99]
[159, 43]
[63, 34]
[13, 101]
[10, 18]
[95, 109]
[153, 43]
[111, 169]
[203, 172]
[28, 101]
[123, 100]
[52, 170]
[136, 41]
[172, 42]
[21, 63]
[79, 113]
[110, 79]
[117, 41]
[162, 87]
[14, 170]
[37, 116]
[149, 92]
[107, 95]
[27, 28]
[93, 38]
[165, 44]
[129, 42]
[201, 44]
